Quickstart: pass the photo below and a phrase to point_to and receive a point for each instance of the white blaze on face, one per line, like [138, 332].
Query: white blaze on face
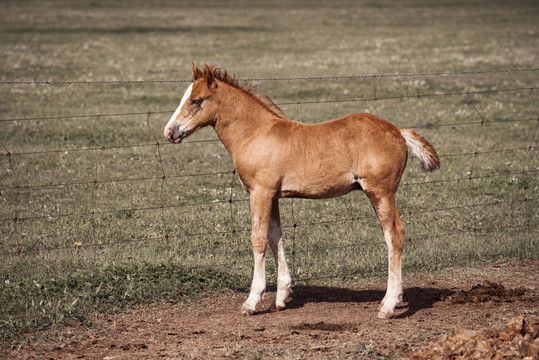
[179, 109]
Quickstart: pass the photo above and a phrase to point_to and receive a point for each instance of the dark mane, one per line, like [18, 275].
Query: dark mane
[222, 75]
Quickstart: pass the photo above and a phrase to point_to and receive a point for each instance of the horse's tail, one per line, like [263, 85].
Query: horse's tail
[421, 148]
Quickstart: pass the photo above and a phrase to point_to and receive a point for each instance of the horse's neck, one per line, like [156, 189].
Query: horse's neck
[239, 119]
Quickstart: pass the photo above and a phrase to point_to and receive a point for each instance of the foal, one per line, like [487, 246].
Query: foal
[278, 158]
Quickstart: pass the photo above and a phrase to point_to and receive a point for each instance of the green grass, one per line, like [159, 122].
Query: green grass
[71, 297]
[79, 246]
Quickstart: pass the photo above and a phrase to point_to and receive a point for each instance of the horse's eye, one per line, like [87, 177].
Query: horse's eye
[196, 102]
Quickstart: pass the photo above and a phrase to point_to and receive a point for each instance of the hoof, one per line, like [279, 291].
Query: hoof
[274, 308]
[384, 315]
[246, 310]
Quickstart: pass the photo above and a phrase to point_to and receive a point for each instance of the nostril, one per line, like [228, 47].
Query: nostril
[168, 135]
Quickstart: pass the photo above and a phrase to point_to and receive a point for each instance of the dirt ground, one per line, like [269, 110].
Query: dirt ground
[320, 322]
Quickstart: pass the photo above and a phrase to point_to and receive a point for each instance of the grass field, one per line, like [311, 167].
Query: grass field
[87, 223]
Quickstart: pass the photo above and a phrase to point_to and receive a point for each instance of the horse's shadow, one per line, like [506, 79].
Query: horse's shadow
[414, 298]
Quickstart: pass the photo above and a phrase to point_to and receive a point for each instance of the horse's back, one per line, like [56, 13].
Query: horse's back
[370, 140]
[380, 152]
[328, 159]
[363, 126]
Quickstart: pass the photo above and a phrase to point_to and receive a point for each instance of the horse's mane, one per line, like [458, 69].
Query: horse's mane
[222, 75]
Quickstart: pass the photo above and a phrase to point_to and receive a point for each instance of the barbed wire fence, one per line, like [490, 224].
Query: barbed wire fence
[17, 187]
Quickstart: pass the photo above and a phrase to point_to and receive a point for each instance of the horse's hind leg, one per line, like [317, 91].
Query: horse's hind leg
[393, 229]
[284, 281]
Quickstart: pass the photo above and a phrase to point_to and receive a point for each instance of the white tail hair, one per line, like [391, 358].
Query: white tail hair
[421, 148]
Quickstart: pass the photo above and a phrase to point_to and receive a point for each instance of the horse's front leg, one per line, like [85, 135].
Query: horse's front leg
[284, 281]
[261, 202]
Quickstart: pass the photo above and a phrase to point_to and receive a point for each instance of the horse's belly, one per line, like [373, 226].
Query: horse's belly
[318, 188]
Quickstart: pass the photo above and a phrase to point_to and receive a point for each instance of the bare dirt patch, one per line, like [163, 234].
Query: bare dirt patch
[321, 321]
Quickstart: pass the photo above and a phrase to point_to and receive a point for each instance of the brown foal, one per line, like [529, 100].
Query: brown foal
[277, 158]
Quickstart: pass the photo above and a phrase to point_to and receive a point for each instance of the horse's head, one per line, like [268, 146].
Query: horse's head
[196, 108]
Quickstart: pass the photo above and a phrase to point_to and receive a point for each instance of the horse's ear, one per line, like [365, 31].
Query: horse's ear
[196, 72]
[208, 75]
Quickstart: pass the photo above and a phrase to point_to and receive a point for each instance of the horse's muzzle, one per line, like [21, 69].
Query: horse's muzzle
[175, 136]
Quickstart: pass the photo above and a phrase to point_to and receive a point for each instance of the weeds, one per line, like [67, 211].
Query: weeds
[35, 304]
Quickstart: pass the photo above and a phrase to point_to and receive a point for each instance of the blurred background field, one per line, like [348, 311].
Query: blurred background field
[96, 216]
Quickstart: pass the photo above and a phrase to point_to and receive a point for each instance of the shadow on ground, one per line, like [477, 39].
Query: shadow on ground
[414, 299]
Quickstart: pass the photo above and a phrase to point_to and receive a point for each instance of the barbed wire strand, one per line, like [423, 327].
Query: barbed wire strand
[291, 78]
[154, 178]
[405, 212]
[304, 102]
[404, 184]
[191, 142]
